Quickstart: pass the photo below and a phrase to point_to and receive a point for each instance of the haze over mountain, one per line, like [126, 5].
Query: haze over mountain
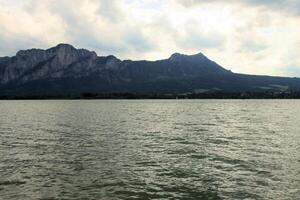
[65, 70]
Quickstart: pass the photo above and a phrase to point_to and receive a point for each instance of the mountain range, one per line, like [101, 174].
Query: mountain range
[65, 70]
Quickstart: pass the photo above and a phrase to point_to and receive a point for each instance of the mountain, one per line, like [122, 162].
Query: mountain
[65, 70]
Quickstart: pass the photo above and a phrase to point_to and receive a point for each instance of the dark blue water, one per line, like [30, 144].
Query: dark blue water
[150, 149]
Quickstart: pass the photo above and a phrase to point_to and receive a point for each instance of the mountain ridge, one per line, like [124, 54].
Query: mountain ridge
[64, 69]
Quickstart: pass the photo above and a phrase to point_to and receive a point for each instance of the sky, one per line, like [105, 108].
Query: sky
[245, 36]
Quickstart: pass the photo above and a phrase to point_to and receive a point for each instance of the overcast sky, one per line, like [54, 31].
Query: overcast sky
[246, 36]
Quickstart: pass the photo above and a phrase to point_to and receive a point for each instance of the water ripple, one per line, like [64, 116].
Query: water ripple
[144, 149]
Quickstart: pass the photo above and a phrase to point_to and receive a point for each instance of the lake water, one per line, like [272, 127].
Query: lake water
[150, 149]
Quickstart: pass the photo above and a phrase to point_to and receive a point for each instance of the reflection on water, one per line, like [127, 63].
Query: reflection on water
[162, 149]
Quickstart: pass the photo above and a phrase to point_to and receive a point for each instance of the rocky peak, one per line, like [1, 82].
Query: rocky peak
[64, 46]
[112, 62]
[69, 49]
[112, 58]
[177, 57]
[65, 60]
[66, 54]
[44, 63]
[29, 52]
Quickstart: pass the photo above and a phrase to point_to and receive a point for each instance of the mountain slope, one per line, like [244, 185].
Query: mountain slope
[65, 70]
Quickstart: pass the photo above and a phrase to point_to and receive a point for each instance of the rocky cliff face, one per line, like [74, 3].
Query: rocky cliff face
[35, 64]
[65, 61]
[64, 69]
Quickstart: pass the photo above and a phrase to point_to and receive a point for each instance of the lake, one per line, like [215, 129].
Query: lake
[150, 149]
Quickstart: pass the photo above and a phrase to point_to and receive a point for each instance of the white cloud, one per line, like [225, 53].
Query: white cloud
[250, 36]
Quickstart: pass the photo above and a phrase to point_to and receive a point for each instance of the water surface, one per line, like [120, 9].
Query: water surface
[150, 149]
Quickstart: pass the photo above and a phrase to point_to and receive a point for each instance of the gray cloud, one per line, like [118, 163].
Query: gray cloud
[291, 70]
[138, 41]
[200, 41]
[84, 33]
[105, 29]
[230, 32]
[110, 10]
[252, 46]
[81, 32]
[288, 6]
[10, 45]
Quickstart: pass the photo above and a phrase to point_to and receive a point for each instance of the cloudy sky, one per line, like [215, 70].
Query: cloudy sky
[246, 36]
